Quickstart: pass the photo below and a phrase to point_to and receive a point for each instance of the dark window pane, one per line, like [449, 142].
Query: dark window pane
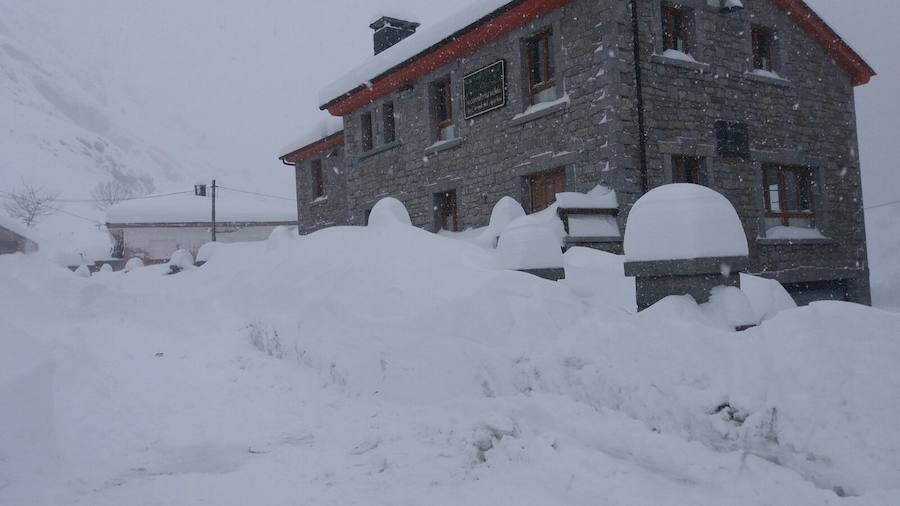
[318, 179]
[387, 112]
[366, 131]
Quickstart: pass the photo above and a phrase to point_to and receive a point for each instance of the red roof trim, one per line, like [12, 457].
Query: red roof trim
[481, 33]
[807, 19]
[313, 149]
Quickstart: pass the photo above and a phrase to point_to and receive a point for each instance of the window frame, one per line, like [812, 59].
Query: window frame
[445, 84]
[317, 178]
[388, 122]
[680, 169]
[767, 41]
[676, 16]
[805, 181]
[367, 131]
[547, 63]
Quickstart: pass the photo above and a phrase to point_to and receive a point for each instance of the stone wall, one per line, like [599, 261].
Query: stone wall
[807, 118]
[314, 214]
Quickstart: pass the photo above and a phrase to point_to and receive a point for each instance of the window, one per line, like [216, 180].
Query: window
[446, 214]
[442, 105]
[387, 117]
[675, 28]
[543, 187]
[687, 169]
[366, 131]
[539, 56]
[763, 48]
[789, 196]
[318, 178]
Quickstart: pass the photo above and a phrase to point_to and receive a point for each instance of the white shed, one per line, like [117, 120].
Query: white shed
[155, 227]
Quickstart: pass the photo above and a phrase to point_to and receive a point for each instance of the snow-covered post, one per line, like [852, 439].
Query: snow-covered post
[683, 239]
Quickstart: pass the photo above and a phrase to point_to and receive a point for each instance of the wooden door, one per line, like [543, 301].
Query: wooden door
[446, 211]
[543, 187]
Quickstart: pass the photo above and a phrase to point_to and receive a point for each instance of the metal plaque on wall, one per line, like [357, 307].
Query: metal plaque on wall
[485, 89]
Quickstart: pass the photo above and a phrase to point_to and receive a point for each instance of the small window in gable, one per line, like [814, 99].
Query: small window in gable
[366, 135]
[763, 48]
[676, 28]
[318, 178]
[541, 68]
[387, 116]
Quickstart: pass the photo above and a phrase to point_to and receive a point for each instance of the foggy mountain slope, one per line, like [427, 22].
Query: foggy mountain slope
[65, 128]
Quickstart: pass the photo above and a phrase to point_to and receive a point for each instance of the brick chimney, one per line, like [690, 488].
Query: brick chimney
[389, 31]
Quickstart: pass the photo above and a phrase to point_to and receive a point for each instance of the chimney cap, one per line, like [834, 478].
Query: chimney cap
[395, 22]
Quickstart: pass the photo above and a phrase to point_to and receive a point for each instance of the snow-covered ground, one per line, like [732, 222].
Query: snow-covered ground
[388, 365]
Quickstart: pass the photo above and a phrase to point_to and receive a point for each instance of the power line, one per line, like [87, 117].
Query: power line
[255, 193]
[886, 204]
[88, 201]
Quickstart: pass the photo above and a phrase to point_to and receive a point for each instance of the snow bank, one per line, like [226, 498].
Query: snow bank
[385, 364]
[683, 221]
[182, 259]
[600, 276]
[389, 212]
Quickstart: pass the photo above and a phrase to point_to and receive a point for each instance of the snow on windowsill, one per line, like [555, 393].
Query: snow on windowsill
[679, 58]
[444, 145]
[540, 110]
[767, 76]
[794, 235]
[319, 200]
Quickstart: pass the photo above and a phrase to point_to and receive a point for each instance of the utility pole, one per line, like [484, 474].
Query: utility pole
[214, 210]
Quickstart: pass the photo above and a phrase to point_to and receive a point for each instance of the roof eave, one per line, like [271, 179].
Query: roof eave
[313, 149]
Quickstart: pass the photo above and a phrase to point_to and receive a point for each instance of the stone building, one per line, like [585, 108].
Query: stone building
[528, 98]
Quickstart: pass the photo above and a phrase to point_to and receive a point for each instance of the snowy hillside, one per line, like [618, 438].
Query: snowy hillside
[392, 366]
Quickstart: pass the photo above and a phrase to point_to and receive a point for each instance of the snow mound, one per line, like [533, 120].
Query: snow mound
[135, 263]
[182, 259]
[767, 296]
[683, 221]
[389, 212]
[600, 276]
[731, 306]
[83, 271]
[505, 211]
[106, 268]
[532, 242]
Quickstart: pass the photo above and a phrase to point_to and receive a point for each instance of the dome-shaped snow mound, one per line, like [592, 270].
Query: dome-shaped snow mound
[683, 221]
[389, 211]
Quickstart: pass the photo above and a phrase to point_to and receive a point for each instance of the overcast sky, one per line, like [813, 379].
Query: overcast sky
[245, 74]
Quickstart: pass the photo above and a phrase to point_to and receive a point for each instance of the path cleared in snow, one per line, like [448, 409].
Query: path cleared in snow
[389, 365]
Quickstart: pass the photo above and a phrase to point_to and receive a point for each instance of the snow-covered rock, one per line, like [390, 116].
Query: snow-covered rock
[683, 221]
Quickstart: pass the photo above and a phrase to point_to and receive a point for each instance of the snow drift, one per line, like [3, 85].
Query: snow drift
[388, 365]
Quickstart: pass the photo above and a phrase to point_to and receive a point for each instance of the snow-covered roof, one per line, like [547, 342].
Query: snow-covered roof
[431, 37]
[14, 226]
[424, 39]
[683, 221]
[188, 208]
[326, 126]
